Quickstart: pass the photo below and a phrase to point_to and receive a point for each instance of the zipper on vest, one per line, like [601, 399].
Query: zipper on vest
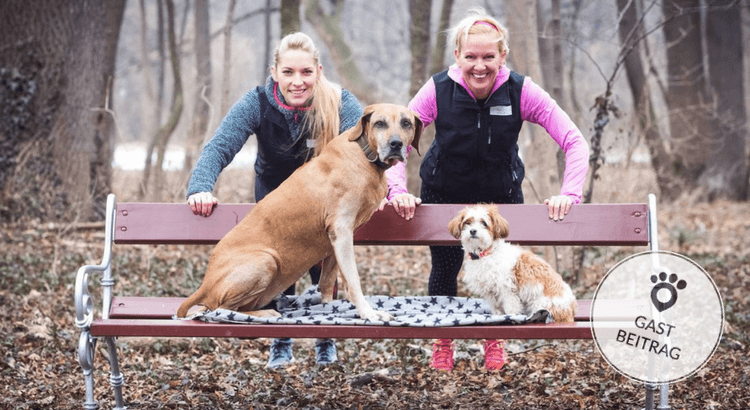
[479, 119]
[489, 137]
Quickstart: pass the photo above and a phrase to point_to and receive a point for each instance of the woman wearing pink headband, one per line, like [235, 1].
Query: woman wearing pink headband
[478, 107]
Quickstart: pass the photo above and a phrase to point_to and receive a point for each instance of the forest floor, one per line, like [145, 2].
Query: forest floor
[40, 370]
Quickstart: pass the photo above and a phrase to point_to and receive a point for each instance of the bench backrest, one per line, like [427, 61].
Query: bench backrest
[585, 224]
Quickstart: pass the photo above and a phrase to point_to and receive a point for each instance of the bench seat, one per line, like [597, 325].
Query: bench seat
[152, 317]
[128, 315]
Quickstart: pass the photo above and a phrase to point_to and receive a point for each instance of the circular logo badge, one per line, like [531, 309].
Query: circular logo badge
[657, 317]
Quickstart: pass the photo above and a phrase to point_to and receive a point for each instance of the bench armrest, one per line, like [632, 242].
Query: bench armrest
[83, 300]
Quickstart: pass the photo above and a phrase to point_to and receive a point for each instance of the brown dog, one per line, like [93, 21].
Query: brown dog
[310, 217]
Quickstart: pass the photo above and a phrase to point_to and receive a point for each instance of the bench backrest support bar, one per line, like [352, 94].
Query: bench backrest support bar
[586, 224]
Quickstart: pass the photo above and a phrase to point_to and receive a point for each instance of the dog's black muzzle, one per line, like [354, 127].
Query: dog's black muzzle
[395, 145]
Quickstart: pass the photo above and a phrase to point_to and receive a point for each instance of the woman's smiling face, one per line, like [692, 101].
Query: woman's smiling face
[480, 60]
[296, 74]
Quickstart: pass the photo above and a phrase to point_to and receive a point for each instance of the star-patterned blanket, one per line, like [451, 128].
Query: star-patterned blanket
[416, 311]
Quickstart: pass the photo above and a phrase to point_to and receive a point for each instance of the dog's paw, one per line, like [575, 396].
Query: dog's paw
[375, 315]
[379, 315]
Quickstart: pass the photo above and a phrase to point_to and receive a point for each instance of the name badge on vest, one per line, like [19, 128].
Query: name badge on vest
[501, 110]
[310, 143]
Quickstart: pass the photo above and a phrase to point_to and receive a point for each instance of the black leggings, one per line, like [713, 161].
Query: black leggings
[447, 260]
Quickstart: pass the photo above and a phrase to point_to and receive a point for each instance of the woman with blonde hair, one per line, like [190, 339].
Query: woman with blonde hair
[478, 107]
[293, 116]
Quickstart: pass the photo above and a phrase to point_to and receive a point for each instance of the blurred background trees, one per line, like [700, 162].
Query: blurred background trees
[57, 134]
[660, 85]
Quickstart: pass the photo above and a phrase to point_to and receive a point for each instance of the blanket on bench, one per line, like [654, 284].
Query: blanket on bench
[415, 311]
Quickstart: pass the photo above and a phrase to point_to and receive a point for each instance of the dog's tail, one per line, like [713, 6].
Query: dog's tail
[191, 301]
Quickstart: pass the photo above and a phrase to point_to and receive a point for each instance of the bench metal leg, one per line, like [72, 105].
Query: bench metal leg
[650, 389]
[664, 399]
[116, 378]
[86, 350]
[653, 239]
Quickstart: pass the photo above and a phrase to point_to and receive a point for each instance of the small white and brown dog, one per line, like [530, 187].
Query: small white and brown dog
[511, 279]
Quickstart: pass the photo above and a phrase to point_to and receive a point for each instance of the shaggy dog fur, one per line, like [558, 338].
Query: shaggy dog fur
[510, 279]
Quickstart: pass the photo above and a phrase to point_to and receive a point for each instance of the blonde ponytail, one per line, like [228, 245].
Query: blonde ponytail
[323, 121]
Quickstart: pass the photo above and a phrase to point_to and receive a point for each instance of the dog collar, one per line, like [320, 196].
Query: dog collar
[475, 256]
[371, 155]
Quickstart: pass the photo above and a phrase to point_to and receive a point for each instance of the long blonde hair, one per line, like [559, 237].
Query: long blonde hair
[322, 121]
[477, 21]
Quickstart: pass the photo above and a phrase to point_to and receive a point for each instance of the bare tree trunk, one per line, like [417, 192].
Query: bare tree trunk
[419, 30]
[550, 54]
[539, 149]
[147, 109]
[161, 40]
[267, 45]
[573, 106]
[57, 123]
[202, 110]
[550, 51]
[227, 71]
[726, 174]
[290, 19]
[328, 27]
[632, 33]
[154, 187]
[687, 99]
[438, 53]
[160, 34]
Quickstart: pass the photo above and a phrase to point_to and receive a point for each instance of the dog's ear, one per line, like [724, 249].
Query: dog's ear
[418, 128]
[359, 129]
[500, 226]
[454, 226]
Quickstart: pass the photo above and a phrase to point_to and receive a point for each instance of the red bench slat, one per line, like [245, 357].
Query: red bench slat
[586, 224]
[193, 328]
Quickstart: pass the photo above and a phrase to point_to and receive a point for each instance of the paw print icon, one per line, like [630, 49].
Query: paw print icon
[671, 286]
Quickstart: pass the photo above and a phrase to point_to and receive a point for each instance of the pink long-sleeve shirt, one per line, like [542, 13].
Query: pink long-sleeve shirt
[536, 106]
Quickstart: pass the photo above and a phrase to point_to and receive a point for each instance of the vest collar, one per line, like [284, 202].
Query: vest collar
[371, 155]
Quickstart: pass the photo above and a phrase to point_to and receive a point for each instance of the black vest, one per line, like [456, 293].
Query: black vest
[278, 154]
[475, 152]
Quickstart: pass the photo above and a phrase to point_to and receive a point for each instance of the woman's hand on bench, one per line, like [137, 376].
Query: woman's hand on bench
[558, 206]
[404, 204]
[202, 203]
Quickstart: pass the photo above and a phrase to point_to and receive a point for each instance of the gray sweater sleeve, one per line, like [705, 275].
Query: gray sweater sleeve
[240, 122]
[351, 110]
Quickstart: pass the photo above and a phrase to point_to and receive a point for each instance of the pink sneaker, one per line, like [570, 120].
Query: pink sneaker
[494, 354]
[442, 355]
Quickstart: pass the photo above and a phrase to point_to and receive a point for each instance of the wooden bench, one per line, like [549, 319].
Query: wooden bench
[125, 315]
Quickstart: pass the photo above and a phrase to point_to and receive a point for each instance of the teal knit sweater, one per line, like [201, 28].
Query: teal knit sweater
[241, 121]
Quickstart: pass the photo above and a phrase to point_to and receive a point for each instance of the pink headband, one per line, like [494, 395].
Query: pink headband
[488, 24]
